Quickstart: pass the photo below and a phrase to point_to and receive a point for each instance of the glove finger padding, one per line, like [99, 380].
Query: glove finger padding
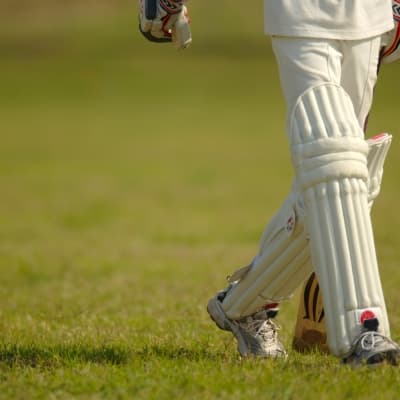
[391, 51]
[165, 21]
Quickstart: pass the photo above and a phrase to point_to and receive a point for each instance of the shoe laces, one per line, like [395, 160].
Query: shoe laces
[370, 340]
[263, 327]
[268, 331]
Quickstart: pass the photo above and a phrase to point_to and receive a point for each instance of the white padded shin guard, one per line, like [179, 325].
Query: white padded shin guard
[282, 264]
[329, 155]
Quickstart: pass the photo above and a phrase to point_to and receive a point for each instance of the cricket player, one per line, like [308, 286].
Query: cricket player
[327, 52]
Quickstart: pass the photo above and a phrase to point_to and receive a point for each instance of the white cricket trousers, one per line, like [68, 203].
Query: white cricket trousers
[307, 62]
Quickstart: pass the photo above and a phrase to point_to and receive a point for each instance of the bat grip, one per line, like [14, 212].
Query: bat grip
[150, 9]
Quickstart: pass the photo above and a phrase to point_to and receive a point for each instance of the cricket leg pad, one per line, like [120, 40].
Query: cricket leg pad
[330, 158]
[310, 331]
[282, 264]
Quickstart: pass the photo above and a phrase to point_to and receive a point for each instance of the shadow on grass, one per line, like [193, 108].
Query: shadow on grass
[35, 355]
[41, 355]
[179, 353]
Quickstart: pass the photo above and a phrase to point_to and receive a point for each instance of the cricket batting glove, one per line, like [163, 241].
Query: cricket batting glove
[164, 21]
[391, 51]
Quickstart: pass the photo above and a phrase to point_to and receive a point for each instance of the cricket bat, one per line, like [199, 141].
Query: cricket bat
[310, 330]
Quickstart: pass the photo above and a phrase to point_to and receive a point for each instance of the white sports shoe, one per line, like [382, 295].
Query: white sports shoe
[256, 334]
[373, 348]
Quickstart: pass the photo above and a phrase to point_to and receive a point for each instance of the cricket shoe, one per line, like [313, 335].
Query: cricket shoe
[373, 348]
[257, 334]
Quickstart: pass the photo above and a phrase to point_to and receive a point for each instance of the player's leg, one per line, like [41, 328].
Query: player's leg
[228, 308]
[283, 261]
[358, 80]
[329, 156]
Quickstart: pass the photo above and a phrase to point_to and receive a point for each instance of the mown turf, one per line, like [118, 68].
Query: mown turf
[133, 179]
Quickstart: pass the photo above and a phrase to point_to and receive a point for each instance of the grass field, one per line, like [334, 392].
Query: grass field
[133, 179]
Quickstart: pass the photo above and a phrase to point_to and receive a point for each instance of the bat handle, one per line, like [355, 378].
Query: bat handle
[150, 9]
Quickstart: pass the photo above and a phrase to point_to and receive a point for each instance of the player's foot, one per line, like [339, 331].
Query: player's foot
[373, 348]
[256, 334]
